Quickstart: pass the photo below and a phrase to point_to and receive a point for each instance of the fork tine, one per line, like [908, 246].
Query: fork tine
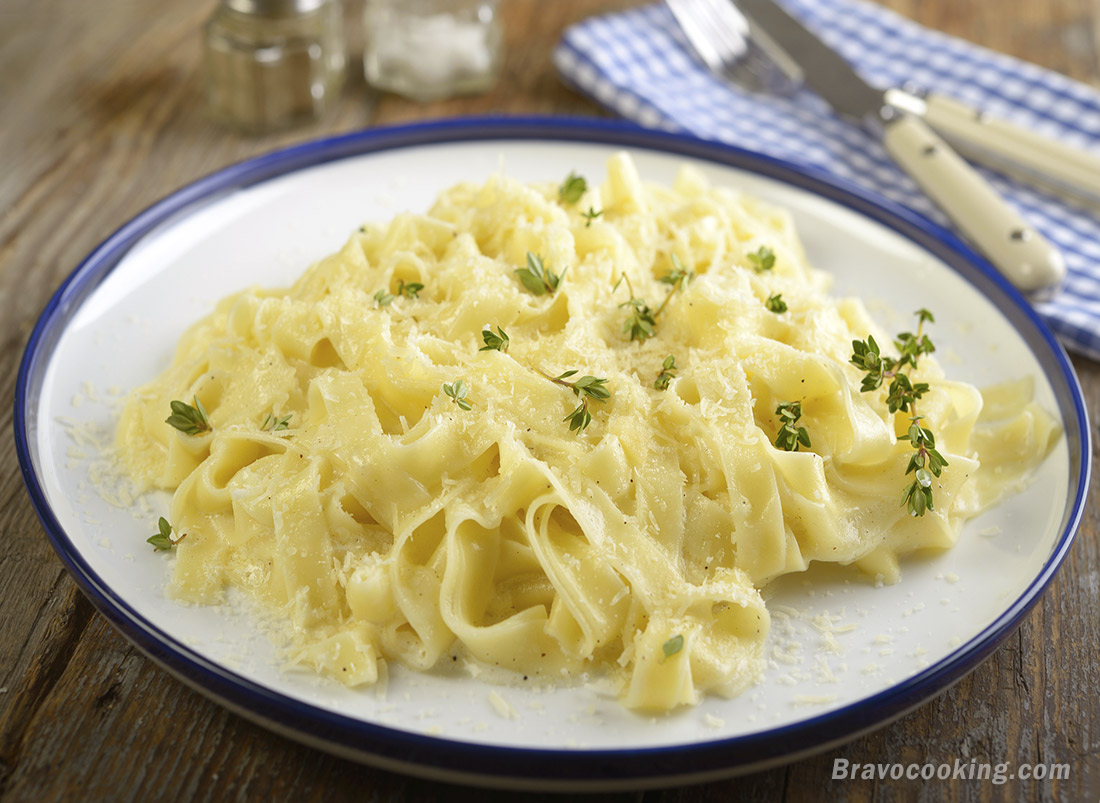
[726, 28]
[723, 40]
[687, 15]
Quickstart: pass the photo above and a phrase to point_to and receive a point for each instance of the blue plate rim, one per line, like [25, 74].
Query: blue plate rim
[440, 757]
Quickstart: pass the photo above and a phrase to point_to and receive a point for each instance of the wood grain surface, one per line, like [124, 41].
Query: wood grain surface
[102, 114]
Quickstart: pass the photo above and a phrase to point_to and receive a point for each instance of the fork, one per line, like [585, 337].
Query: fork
[731, 47]
[721, 37]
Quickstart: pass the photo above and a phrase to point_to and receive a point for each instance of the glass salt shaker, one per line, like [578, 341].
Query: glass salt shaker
[431, 49]
[273, 63]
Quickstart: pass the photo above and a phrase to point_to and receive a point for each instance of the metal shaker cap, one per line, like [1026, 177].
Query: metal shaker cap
[274, 8]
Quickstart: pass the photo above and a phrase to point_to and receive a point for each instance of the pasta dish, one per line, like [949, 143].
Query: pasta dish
[560, 429]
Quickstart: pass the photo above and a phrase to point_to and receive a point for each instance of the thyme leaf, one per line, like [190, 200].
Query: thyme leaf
[163, 540]
[188, 419]
[537, 278]
[458, 392]
[666, 374]
[572, 188]
[762, 259]
[790, 437]
[495, 341]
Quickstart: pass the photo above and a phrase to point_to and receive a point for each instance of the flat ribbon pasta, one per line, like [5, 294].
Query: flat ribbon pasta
[387, 523]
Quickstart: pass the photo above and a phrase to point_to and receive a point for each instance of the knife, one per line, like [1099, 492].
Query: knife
[999, 232]
[1070, 172]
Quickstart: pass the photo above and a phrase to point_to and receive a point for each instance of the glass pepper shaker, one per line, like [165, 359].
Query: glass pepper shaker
[273, 63]
[431, 49]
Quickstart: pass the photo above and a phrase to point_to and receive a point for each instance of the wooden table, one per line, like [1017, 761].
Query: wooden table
[102, 114]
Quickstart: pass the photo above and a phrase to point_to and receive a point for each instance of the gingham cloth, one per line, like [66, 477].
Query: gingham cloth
[639, 64]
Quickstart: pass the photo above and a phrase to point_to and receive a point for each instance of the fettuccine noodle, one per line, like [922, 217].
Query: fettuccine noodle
[392, 525]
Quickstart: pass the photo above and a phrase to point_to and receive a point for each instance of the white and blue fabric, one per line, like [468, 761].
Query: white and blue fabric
[639, 64]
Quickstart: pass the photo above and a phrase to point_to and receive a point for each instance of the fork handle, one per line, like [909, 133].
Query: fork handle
[996, 229]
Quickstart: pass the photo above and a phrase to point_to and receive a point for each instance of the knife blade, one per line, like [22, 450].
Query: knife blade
[998, 231]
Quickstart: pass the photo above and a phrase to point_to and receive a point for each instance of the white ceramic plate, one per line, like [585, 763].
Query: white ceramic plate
[846, 656]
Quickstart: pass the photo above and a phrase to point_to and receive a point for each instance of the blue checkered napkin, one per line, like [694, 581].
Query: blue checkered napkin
[639, 64]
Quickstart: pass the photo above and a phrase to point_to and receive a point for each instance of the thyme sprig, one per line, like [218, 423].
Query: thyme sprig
[586, 387]
[641, 323]
[273, 423]
[776, 304]
[495, 341]
[790, 437]
[406, 289]
[590, 215]
[163, 540]
[867, 356]
[762, 259]
[458, 391]
[572, 188]
[666, 374]
[537, 278]
[188, 419]
[902, 396]
[409, 289]
[679, 276]
[924, 464]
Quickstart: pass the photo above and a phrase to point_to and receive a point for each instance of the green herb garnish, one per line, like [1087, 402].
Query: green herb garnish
[673, 646]
[587, 387]
[408, 289]
[762, 259]
[902, 396]
[187, 419]
[537, 278]
[163, 540]
[572, 189]
[776, 304]
[678, 277]
[495, 341]
[590, 215]
[666, 374]
[273, 423]
[458, 392]
[641, 322]
[926, 462]
[789, 436]
[902, 393]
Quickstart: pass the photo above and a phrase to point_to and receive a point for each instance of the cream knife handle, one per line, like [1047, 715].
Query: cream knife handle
[1015, 248]
[1002, 145]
